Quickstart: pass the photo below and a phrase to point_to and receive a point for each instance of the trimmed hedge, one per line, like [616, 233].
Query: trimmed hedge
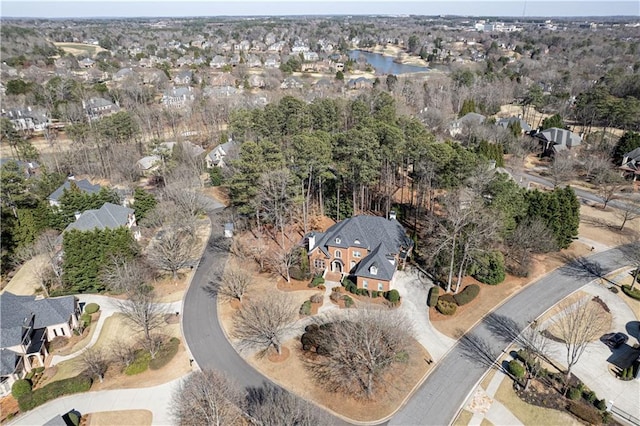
[584, 412]
[81, 383]
[634, 294]
[432, 301]
[516, 369]
[316, 281]
[91, 308]
[166, 354]
[349, 285]
[20, 388]
[393, 296]
[446, 307]
[469, 293]
[305, 309]
[601, 404]
[85, 319]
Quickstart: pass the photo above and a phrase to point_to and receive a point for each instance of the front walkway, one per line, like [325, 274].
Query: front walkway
[156, 399]
[108, 307]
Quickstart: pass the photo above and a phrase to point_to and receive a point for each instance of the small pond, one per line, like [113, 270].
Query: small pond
[384, 64]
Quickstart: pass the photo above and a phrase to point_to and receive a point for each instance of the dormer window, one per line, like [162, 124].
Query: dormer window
[356, 242]
[338, 240]
[373, 270]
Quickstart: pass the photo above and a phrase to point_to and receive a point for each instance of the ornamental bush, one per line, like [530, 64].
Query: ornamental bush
[446, 307]
[305, 309]
[432, 301]
[20, 388]
[316, 298]
[601, 404]
[393, 296]
[317, 280]
[489, 268]
[91, 308]
[574, 394]
[469, 293]
[633, 293]
[348, 301]
[85, 319]
[516, 369]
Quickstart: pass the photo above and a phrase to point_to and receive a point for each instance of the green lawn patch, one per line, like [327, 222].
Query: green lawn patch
[166, 354]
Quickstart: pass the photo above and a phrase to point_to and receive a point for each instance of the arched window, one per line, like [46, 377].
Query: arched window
[338, 254]
[373, 270]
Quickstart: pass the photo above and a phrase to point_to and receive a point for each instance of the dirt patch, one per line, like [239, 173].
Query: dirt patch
[294, 376]
[8, 408]
[553, 331]
[217, 192]
[279, 357]
[603, 226]
[567, 301]
[75, 342]
[126, 417]
[25, 281]
[294, 285]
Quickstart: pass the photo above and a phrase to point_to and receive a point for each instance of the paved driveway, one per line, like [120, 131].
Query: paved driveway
[445, 390]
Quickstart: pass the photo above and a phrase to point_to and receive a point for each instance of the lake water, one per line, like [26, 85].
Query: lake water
[384, 64]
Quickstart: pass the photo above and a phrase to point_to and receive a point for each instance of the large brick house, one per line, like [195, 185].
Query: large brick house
[368, 249]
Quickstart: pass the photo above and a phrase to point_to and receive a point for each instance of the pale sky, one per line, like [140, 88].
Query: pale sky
[164, 8]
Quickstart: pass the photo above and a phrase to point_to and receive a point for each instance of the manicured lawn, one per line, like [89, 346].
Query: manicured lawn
[463, 418]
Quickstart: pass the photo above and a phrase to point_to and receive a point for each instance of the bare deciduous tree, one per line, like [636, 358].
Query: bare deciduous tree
[275, 199]
[125, 275]
[173, 251]
[122, 352]
[95, 362]
[607, 184]
[263, 322]
[144, 312]
[207, 398]
[536, 347]
[359, 350]
[631, 254]
[562, 168]
[626, 214]
[577, 326]
[281, 261]
[271, 405]
[235, 283]
[530, 236]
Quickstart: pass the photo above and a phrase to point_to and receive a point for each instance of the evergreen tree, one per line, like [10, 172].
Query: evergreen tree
[143, 202]
[553, 121]
[469, 105]
[87, 253]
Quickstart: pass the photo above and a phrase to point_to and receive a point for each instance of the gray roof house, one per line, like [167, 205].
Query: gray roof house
[556, 140]
[96, 108]
[631, 163]
[470, 119]
[27, 119]
[367, 248]
[183, 77]
[216, 157]
[149, 163]
[27, 323]
[505, 122]
[178, 97]
[83, 185]
[109, 216]
[291, 83]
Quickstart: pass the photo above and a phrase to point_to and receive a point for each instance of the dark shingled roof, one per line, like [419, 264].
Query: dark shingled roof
[84, 186]
[15, 309]
[383, 239]
[8, 362]
[109, 216]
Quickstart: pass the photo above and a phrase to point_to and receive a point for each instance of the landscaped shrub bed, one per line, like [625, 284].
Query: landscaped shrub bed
[393, 296]
[305, 309]
[86, 320]
[316, 298]
[516, 369]
[584, 412]
[91, 308]
[634, 294]
[446, 305]
[166, 354]
[140, 364]
[81, 383]
[316, 281]
[469, 293]
[348, 301]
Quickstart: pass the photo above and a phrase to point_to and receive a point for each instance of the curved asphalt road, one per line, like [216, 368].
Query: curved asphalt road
[439, 398]
[446, 389]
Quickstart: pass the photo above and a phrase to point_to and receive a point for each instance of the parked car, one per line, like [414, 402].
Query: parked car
[618, 340]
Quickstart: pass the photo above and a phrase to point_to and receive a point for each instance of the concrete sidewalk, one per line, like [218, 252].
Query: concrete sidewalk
[156, 399]
[108, 307]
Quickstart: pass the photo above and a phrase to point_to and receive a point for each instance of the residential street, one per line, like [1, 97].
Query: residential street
[446, 389]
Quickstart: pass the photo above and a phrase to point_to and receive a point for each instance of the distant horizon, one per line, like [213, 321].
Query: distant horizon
[118, 9]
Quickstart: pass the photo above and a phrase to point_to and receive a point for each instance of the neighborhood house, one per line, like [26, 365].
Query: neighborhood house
[27, 325]
[367, 248]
